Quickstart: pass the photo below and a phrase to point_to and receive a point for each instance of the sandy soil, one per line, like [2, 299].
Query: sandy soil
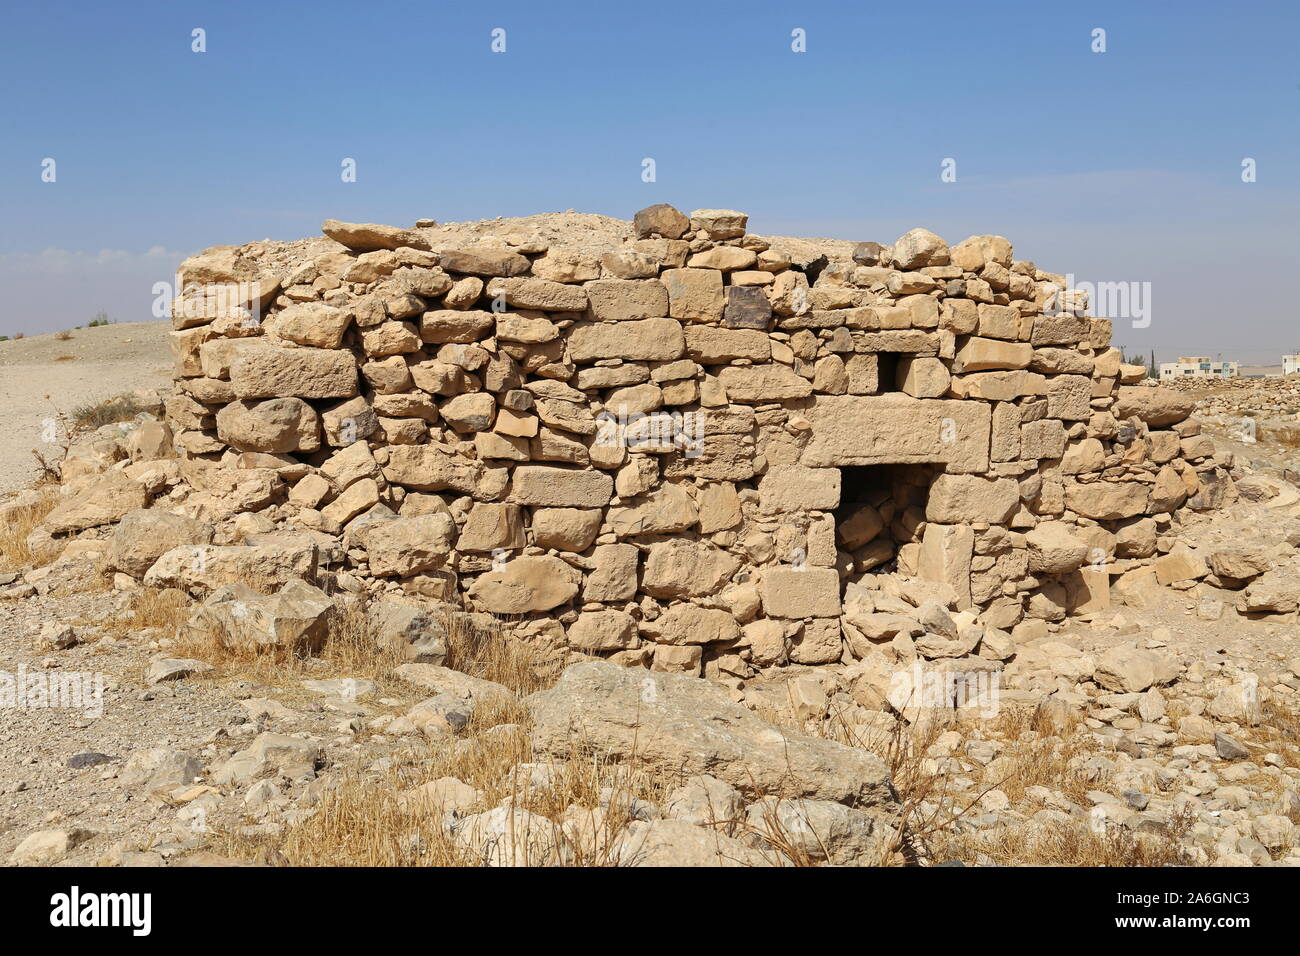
[43, 378]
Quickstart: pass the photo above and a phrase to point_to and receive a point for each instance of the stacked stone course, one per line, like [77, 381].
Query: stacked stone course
[698, 449]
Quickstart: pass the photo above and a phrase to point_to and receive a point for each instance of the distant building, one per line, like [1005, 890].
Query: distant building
[1290, 364]
[1198, 366]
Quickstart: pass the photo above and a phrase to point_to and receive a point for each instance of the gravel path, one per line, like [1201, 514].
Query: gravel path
[42, 377]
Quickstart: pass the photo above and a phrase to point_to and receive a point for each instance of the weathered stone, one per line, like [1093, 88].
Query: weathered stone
[404, 546]
[689, 624]
[483, 261]
[602, 631]
[960, 499]
[1158, 407]
[142, 537]
[694, 294]
[269, 372]
[800, 592]
[526, 584]
[618, 300]
[276, 425]
[658, 340]
[682, 569]
[366, 236]
[685, 725]
[295, 618]
[560, 487]
[894, 429]
[101, 499]
[660, 219]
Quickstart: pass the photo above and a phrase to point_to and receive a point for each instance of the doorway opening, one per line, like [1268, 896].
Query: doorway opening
[882, 509]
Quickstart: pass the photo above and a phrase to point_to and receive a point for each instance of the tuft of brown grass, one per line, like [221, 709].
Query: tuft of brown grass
[1278, 731]
[370, 820]
[63, 336]
[164, 608]
[1035, 756]
[1073, 844]
[16, 524]
[349, 649]
[491, 653]
[119, 408]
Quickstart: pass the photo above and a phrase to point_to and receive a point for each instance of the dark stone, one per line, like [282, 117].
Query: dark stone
[747, 308]
[1213, 490]
[1136, 800]
[88, 759]
[1229, 748]
[660, 219]
[867, 253]
[517, 399]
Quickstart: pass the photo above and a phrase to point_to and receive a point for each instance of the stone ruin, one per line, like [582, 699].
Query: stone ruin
[674, 443]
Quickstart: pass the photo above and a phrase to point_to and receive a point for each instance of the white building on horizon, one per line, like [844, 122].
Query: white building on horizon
[1290, 364]
[1198, 366]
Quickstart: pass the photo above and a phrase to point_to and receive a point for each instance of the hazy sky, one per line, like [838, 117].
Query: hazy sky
[1120, 166]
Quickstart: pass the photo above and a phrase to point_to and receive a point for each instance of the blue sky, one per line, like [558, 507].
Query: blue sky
[1115, 166]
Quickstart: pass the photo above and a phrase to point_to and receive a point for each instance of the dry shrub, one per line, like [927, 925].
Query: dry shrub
[349, 649]
[16, 524]
[164, 608]
[119, 408]
[927, 804]
[1278, 731]
[63, 336]
[1038, 757]
[1073, 844]
[492, 653]
[359, 823]
[379, 821]
[1288, 436]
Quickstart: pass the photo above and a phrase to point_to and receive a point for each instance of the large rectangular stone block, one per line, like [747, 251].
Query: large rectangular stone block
[946, 552]
[650, 340]
[786, 488]
[851, 430]
[560, 487]
[270, 372]
[978, 354]
[805, 592]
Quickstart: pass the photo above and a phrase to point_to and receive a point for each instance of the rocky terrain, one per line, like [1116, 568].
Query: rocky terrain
[44, 379]
[321, 604]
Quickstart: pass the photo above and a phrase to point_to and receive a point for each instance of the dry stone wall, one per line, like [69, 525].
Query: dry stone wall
[678, 444]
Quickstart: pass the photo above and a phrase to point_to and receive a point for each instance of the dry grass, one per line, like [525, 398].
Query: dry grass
[16, 525]
[360, 823]
[163, 608]
[371, 820]
[63, 336]
[1278, 731]
[349, 650]
[1072, 844]
[492, 654]
[119, 408]
[1037, 758]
